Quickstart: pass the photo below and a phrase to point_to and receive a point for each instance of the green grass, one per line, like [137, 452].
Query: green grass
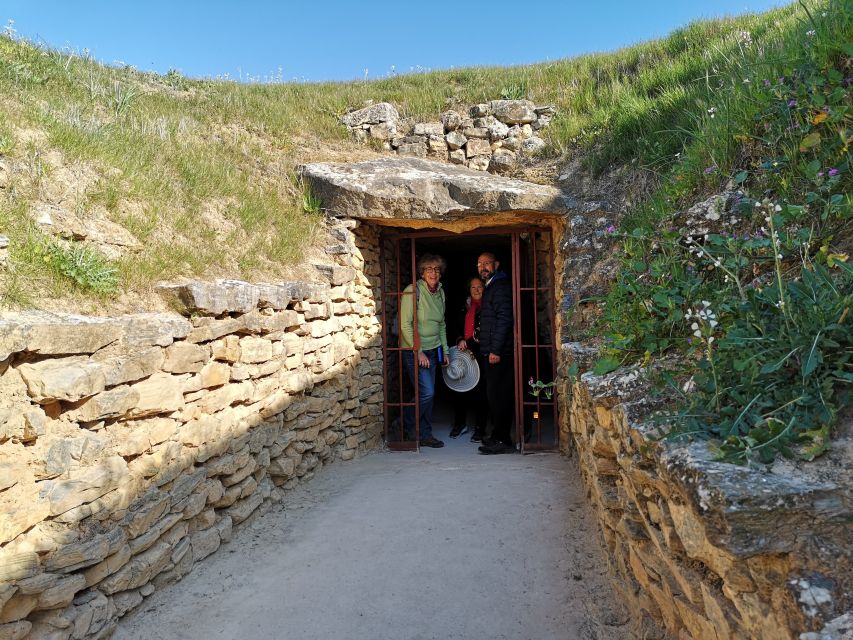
[168, 147]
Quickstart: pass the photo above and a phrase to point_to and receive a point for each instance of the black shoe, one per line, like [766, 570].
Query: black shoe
[458, 430]
[490, 442]
[496, 449]
[477, 436]
[435, 443]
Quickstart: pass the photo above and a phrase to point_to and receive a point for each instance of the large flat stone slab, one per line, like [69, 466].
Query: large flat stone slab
[423, 189]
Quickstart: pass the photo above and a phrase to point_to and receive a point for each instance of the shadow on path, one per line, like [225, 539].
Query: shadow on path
[442, 544]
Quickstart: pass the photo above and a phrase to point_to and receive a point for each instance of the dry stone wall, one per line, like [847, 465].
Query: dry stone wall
[491, 136]
[132, 447]
[711, 550]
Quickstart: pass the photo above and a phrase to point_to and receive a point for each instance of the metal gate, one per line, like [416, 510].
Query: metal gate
[535, 350]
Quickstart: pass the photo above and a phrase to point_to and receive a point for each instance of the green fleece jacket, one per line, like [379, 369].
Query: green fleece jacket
[431, 326]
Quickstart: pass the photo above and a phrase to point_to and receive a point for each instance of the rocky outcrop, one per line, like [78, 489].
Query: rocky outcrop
[131, 448]
[411, 188]
[492, 136]
[710, 549]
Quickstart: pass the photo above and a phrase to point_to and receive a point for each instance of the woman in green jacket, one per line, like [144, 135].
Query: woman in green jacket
[429, 343]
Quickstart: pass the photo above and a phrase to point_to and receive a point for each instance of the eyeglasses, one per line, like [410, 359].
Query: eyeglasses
[486, 264]
[432, 270]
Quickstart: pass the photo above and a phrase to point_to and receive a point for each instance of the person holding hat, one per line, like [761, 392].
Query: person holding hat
[426, 345]
[469, 341]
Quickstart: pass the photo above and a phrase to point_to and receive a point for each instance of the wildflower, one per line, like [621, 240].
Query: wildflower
[833, 172]
[792, 102]
[611, 229]
[766, 82]
[820, 174]
[811, 33]
[745, 81]
[710, 170]
[712, 111]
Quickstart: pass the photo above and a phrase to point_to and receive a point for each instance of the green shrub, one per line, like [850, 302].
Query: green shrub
[85, 267]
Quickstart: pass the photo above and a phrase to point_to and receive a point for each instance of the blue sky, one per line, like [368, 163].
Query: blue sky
[334, 40]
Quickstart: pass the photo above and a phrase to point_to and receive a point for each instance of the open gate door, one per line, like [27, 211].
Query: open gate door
[397, 256]
[535, 344]
[535, 340]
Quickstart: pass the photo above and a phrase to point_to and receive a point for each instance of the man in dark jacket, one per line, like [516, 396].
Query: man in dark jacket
[496, 352]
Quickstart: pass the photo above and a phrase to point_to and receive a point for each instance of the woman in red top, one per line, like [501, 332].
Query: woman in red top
[470, 340]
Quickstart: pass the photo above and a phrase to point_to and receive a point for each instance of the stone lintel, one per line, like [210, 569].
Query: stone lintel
[412, 188]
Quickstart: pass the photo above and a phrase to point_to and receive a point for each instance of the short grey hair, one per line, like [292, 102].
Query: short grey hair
[429, 259]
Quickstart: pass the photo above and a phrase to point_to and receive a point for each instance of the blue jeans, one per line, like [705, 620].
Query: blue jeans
[426, 392]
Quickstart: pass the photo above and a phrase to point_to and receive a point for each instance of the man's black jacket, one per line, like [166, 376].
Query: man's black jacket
[496, 317]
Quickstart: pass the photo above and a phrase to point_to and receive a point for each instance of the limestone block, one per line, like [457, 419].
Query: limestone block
[183, 486]
[224, 526]
[457, 156]
[77, 555]
[54, 333]
[145, 511]
[126, 601]
[269, 321]
[254, 349]
[224, 396]
[211, 298]
[130, 367]
[62, 593]
[475, 147]
[17, 565]
[437, 145]
[15, 630]
[206, 329]
[455, 140]
[502, 161]
[429, 129]
[145, 540]
[497, 130]
[511, 143]
[62, 379]
[322, 328]
[185, 357]
[374, 114]
[241, 510]
[139, 570]
[112, 403]
[383, 131]
[451, 120]
[513, 111]
[480, 110]
[18, 607]
[226, 349]
[480, 163]
[204, 543]
[84, 485]
[108, 566]
[476, 133]
[418, 149]
[335, 274]
[534, 144]
[161, 393]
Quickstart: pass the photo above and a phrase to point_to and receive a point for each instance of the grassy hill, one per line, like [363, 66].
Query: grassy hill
[201, 172]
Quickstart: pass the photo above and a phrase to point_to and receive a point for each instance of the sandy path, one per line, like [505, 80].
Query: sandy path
[441, 544]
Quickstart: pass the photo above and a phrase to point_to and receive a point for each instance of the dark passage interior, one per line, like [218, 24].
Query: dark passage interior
[532, 279]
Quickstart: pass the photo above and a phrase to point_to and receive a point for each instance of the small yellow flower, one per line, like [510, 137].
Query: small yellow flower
[820, 117]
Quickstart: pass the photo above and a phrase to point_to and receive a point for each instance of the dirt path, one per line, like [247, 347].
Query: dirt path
[441, 544]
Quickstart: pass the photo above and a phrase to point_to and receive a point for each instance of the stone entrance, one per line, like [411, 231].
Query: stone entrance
[459, 213]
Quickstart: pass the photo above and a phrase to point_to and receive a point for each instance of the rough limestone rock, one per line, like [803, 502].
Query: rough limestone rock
[55, 333]
[414, 188]
[455, 140]
[513, 111]
[212, 298]
[374, 114]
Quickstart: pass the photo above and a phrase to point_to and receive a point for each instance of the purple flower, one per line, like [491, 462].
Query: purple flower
[792, 103]
[781, 79]
[611, 229]
[833, 172]
[820, 174]
[848, 82]
[710, 170]
[766, 82]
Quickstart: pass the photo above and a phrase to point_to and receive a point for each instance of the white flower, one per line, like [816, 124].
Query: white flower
[712, 111]
[697, 333]
[811, 33]
[706, 304]
[713, 323]
[777, 208]
[710, 339]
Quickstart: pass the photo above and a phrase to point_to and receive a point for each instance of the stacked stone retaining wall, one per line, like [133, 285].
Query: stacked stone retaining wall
[133, 446]
[710, 549]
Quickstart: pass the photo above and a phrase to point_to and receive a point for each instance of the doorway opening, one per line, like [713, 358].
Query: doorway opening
[526, 255]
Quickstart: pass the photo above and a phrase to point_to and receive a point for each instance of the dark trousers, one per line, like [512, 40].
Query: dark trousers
[500, 394]
[474, 399]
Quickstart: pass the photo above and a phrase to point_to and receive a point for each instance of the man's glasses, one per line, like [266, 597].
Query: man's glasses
[432, 270]
[485, 264]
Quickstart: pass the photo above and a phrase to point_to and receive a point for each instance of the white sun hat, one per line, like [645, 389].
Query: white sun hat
[463, 372]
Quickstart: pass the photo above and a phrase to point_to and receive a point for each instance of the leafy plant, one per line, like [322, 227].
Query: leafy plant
[88, 269]
[515, 90]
